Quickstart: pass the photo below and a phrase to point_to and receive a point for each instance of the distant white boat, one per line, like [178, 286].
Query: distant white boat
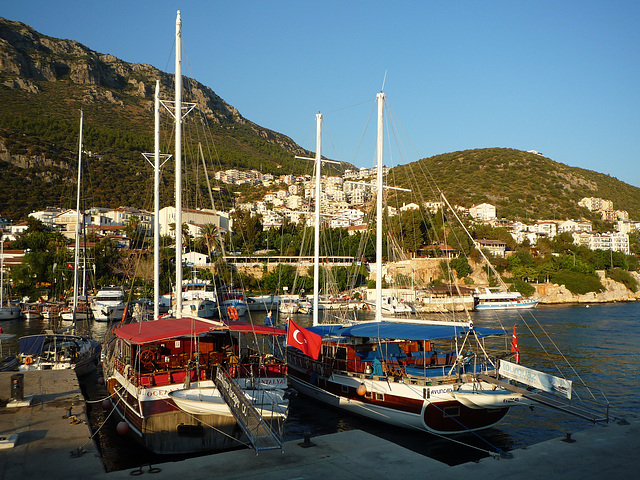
[107, 303]
[391, 305]
[289, 304]
[487, 298]
[263, 303]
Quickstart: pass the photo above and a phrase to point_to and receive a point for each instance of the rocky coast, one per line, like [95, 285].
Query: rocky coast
[551, 293]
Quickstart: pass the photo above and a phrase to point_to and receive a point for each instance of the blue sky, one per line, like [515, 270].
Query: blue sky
[559, 77]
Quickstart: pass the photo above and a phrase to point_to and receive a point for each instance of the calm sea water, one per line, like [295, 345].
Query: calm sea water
[601, 342]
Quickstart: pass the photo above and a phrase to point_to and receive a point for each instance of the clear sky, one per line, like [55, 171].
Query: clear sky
[559, 77]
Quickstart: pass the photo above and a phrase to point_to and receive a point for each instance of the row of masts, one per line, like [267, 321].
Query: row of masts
[157, 156]
[380, 98]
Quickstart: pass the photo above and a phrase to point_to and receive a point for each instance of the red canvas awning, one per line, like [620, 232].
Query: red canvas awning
[168, 328]
[245, 327]
[164, 329]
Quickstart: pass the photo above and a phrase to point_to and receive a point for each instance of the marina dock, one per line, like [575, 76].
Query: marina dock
[52, 440]
[47, 434]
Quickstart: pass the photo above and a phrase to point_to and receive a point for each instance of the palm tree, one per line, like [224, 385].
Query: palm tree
[212, 238]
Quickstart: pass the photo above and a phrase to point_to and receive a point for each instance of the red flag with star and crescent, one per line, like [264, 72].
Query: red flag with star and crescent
[514, 345]
[302, 339]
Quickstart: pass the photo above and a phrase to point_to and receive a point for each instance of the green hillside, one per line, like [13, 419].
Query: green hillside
[44, 82]
[523, 186]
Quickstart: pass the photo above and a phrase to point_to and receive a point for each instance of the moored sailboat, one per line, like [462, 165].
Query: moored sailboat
[8, 311]
[441, 377]
[185, 384]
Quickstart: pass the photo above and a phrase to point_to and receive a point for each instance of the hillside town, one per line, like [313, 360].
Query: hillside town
[343, 200]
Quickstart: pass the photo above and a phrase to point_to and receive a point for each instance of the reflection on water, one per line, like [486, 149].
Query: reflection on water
[601, 342]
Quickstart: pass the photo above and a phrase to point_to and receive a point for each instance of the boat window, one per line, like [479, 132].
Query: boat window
[451, 412]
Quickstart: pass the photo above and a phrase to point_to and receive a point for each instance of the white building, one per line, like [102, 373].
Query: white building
[294, 202]
[434, 207]
[195, 259]
[571, 226]
[627, 226]
[67, 220]
[545, 228]
[167, 219]
[618, 242]
[483, 212]
[596, 204]
[46, 216]
[409, 206]
[497, 248]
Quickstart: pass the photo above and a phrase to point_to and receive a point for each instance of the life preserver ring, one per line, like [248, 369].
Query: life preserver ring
[232, 313]
[28, 360]
[147, 357]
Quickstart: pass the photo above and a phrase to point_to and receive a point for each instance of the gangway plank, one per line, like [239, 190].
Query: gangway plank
[260, 434]
[552, 402]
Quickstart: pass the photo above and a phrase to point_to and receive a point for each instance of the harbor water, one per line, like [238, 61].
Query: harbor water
[601, 342]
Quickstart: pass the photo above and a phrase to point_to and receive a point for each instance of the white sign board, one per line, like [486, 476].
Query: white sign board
[543, 381]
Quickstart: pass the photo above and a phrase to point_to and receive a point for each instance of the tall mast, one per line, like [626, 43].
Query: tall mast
[156, 206]
[178, 152]
[2, 269]
[316, 235]
[77, 249]
[380, 98]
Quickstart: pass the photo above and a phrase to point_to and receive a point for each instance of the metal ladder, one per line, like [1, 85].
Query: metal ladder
[260, 434]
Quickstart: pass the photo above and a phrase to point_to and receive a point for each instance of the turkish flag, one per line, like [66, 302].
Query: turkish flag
[70, 265]
[302, 339]
[514, 345]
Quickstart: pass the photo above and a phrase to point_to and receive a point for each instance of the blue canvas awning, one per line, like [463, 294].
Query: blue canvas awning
[32, 345]
[405, 331]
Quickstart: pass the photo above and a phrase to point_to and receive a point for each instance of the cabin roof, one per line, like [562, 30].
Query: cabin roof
[404, 331]
[168, 328]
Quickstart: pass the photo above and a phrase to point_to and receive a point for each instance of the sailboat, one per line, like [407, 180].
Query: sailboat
[185, 384]
[439, 376]
[57, 351]
[8, 312]
[80, 308]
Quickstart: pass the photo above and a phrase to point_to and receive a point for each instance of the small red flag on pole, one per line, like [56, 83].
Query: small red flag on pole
[302, 339]
[514, 345]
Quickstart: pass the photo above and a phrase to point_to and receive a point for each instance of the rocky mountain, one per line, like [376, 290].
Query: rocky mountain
[45, 81]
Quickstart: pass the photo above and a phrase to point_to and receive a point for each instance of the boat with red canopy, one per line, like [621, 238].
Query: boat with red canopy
[150, 362]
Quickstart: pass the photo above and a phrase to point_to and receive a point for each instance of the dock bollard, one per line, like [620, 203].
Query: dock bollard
[307, 441]
[17, 387]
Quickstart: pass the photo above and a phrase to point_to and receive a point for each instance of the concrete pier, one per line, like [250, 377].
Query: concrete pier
[600, 452]
[48, 428]
[53, 441]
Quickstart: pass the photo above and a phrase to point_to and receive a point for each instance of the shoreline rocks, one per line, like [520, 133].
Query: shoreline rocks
[551, 293]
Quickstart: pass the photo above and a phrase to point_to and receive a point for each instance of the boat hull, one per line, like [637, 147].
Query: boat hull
[156, 422]
[430, 408]
[10, 313]
[507, 305]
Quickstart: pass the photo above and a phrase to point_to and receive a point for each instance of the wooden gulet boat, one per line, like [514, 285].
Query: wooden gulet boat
[185, 385]
[438, 377]
[163, 381]
[399, 380]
